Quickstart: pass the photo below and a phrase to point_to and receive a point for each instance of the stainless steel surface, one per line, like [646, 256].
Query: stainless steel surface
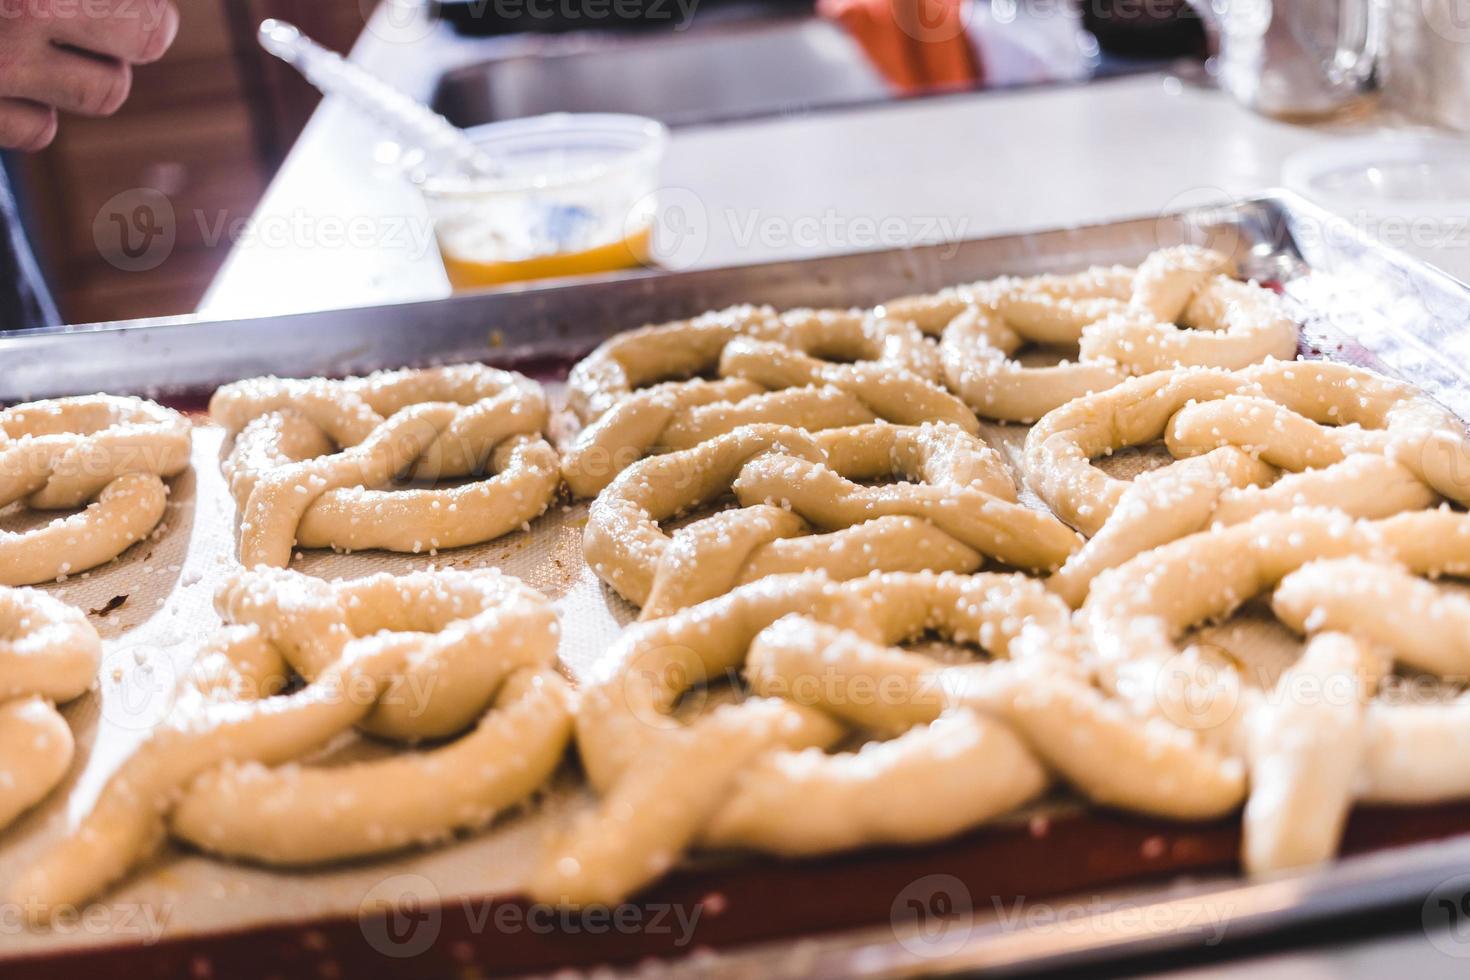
[730, 71]
[1295, 58]
[1360, 302]
[1412, 315]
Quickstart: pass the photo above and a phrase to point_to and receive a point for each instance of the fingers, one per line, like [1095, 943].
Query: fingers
[71, 81]
[133, 31]
[26, 126]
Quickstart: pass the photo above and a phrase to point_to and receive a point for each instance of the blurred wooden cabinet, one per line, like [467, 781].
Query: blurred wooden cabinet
[205, 127]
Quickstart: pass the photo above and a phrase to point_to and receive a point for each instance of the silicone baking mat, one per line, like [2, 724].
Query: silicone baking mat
[191, 914]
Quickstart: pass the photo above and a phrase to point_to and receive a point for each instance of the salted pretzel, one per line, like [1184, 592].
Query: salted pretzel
[424, 655]
[629, 361]
[1343, 437]
[314, 460]
[104, 453]
[49, 654]
[642, 392]
[1358, 590]
[804, 505]
[971, 740]
[1179, 307]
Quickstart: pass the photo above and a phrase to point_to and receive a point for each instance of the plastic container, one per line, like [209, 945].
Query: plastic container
[576, 195]
[1408, 190]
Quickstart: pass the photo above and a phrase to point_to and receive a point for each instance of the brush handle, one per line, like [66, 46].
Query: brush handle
[414, 123]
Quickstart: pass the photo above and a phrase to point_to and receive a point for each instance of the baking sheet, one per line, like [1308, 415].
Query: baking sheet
[168, 584]
[1395, 319]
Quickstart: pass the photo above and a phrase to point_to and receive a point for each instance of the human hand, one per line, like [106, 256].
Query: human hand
[73, 56]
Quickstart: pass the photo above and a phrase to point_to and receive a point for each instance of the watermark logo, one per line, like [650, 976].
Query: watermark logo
[933, 21]
[135, 229]
[1450, 19]
[1197, 694]
[401, 916]
[399, 21]
[1203, 216]
[140, 685]
[1446, 917]
[933, 916]
[673, 669]
[681, 226]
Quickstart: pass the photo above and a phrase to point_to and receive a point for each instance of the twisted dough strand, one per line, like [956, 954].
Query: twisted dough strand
[1347, 438]
[59, 454]
[959, 508]
[416, 656]
[1320, 739]
[49, 653]
[686, 348]
[817, 656]
[312, 460]
[772, 368]
[1178, 308]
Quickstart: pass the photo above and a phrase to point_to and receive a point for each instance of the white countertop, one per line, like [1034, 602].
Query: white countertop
[337, 230]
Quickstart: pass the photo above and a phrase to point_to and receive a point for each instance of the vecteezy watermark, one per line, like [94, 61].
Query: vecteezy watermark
[1200, 689]
[933, 21]
[933, 916]
[1210, 216]
[1439, 231]
[144, 685]
[1445, 916]
[592, 12]
[412, 235]
[135, 229]
[403, 916]
[1204, 216]
[399, 21]
[150, 12]
[140, 684]
[1098, 916]
[1450, 19]
[834, 231]
[142, 921]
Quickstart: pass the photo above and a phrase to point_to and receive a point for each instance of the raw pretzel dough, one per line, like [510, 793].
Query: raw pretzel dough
[424, 655]
[1320, 739]
[1347, 438]
[771, 368]
[957, 506]
[103, 452]
[313, 460]
[687, 348]
[1179, 307]
[972, 741]
[49, 653]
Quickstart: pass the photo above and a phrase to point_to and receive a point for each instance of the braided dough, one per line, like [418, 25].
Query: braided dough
[972, 741]
[107, 454]
[956, 507]
[768, 367]
[1320, 739]
[49, 653]
[1179, 307]
[313, 460]
[424, 655]
[1345, 437]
